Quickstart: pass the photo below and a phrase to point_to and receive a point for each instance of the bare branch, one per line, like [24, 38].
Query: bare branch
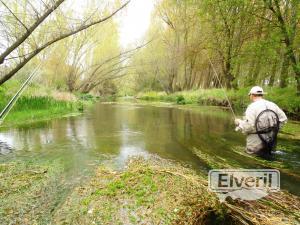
[14, 15]
[34, 9]
[61, 37]
[20, 40]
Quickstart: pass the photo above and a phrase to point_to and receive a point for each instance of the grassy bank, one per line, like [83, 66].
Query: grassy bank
[152, 191]
[286, 98]
[36, 105]
[30, 109]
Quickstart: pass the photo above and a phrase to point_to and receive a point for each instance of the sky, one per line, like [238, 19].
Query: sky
[135, 21]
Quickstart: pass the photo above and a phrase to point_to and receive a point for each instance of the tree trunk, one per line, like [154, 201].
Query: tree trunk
[256, 61]
[257, 70]
[288, 29]
[284, 71]
[249, 80]
[297, 75]
[273, 74]
[229, 78]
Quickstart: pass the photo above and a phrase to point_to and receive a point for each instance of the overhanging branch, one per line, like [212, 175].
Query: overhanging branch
[61, 37]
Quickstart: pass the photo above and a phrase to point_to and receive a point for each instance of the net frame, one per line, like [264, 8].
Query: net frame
[268, 134]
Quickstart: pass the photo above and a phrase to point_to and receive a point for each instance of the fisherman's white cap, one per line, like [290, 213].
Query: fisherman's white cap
[256, 90]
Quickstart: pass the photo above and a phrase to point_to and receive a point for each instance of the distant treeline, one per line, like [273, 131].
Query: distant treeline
[246, 43]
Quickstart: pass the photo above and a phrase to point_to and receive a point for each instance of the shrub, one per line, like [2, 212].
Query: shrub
[286, 98]
[180, 100]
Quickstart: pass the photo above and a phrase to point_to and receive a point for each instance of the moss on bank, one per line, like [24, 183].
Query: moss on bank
[286, 98]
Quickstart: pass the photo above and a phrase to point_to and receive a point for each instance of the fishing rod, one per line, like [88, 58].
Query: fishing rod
[14, 99]
[218, 78]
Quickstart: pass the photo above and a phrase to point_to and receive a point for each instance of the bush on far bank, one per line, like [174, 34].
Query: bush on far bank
[286, 98]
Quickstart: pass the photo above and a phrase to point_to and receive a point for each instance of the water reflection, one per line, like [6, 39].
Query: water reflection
[121, 131]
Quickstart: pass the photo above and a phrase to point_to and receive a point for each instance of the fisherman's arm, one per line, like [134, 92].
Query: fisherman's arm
[246, 125]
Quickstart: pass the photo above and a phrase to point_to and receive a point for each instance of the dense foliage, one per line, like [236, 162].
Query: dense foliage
[245, 42]
[190, 45]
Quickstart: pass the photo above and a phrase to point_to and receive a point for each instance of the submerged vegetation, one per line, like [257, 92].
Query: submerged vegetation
[151, 191]
[27, 189]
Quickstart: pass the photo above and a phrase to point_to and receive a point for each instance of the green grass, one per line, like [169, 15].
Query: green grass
[37, 104]
[40, 102]
[286, 98]
[35, 108]
[29, 109]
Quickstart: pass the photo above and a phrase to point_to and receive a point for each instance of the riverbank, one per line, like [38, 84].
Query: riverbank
[286, 98]
[157, 191]
[39, 109]
[40, 106]
[153, 191]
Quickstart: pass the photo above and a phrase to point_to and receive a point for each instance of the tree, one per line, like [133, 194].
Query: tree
[286, 17]
[229, 25]
[29, 29]
[249, 43]
[62, 35]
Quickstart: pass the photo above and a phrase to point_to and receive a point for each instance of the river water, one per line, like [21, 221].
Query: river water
[115, 132]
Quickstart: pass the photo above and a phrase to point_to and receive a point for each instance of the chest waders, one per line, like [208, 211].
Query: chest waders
[267, 128]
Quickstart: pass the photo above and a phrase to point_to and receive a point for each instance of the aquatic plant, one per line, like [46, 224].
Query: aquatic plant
[158, 191]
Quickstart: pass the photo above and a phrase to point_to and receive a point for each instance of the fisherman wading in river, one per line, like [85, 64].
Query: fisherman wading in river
[261, 124]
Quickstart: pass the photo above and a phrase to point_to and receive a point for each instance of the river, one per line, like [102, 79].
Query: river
[112, 133]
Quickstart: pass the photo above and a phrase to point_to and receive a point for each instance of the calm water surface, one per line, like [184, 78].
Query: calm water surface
[118, 131]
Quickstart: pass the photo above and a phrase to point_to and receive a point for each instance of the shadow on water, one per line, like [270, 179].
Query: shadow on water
[118, 131]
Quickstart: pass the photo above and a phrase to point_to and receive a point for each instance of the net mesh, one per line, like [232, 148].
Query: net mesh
[267, 127]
